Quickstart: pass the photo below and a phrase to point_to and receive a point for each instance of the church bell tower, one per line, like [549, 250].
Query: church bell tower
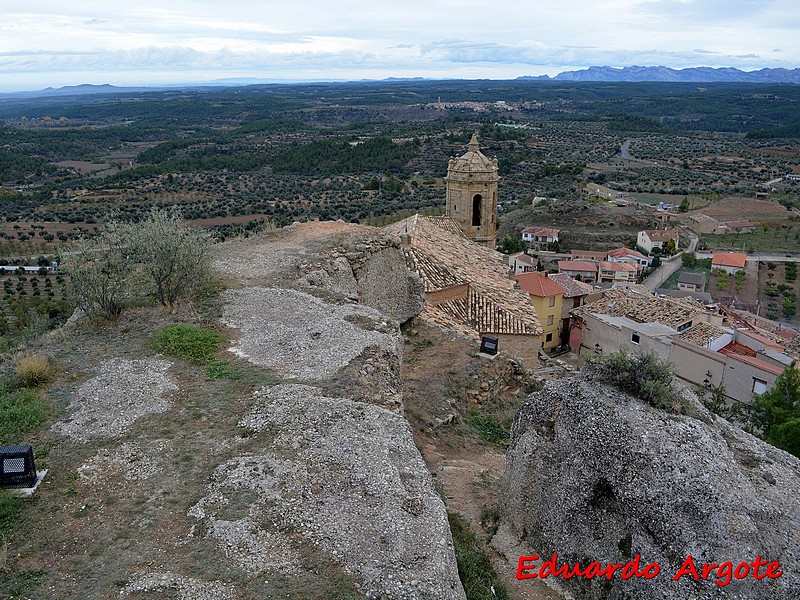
[472, 182]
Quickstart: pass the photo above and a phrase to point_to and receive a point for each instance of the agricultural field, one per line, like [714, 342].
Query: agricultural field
[778, 290]
[237, 160]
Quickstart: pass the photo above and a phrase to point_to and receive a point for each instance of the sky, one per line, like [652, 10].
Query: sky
[52, 43]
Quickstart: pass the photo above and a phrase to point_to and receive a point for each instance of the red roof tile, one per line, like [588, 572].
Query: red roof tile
[537, 284]
[729, 259]
[577, 265]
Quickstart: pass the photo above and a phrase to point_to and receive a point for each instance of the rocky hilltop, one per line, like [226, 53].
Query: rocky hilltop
[593, 474]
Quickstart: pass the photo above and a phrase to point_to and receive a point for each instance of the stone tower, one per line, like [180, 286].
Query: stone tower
[472, 194]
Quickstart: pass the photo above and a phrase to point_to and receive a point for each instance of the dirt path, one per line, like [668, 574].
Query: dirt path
[439, 369]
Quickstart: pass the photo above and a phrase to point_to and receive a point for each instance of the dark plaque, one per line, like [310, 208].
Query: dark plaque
[489, 345]
[16, 466]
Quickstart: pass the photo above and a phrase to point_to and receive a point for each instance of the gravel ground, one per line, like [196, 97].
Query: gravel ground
[179, 586]
[108, 404]
[127, 461]
[301, 336]
[346, 476]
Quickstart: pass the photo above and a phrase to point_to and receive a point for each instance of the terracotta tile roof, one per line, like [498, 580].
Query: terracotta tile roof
[662, 235]
[617, 266]
[621, 302]
[587, 254]
[541, 231]
[702, 333]
[751, 359]
[477, 314]
[622, 252]
[573, 288]
[729, 259]
[525, 259]
[537, 284]
[444, 259]
[737, 348]
[577, 265]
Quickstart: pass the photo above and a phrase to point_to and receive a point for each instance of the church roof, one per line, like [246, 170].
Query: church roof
[473, 161]
[445, 259]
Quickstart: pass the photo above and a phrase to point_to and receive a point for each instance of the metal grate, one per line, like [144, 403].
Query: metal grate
[14, 465]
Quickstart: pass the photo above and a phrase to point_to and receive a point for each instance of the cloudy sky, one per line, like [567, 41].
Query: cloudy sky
[62, 42]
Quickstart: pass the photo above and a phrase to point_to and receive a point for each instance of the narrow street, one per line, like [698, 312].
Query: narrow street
[669, 266]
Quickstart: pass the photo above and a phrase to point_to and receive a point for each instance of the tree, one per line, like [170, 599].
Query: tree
[689, 259]
[684, 206]
[670, 248]
[776, 412]
[99, 272]
[173, 255]
[510, 244]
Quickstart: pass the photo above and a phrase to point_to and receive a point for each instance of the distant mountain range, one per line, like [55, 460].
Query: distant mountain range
[690, 75]
[632, 74]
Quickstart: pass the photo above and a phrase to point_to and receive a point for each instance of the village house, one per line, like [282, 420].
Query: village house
[546, 296]
[593, 255]
[522, 263]
[656, 238]
[702, 351]
[617, 272]
[627, 255]
[579, 269]
[576, 293]
[739, 227]
[703, 298]
[729, 262]
[539, 237]
[691, 282]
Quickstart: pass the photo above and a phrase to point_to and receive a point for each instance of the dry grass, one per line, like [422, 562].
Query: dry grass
[33, 370]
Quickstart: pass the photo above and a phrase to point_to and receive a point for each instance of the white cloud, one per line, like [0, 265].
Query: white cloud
[355, 38]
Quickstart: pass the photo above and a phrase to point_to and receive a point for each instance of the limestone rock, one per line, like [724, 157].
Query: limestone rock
[596, 475]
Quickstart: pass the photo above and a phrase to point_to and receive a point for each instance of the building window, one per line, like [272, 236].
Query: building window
[476, 210]
[551, 301]
[635, 338]
[685, 326]
[549, 337]
[759, 386]
[550, 320]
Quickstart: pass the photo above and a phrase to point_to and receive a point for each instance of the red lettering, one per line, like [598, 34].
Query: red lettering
[771, 570]
[737, 573]
[756, 564]
[651, 570]
[725, 571]
[632, 564]
[608, 572]
[523, 564]
[593, 570]
[707, 568]
[688, 568]
[550, 567]
[576, 570]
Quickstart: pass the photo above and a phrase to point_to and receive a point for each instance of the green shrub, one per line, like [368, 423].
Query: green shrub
[488, 428]
[644, 376]
[20, 413]
[474, 566]
[187, 342]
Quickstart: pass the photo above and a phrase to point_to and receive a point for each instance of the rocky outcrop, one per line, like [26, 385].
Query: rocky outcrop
[347, 477]
[385, 283]
[329, 467]
[593, 474]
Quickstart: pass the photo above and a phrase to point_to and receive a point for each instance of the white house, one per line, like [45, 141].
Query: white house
[656, 238]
